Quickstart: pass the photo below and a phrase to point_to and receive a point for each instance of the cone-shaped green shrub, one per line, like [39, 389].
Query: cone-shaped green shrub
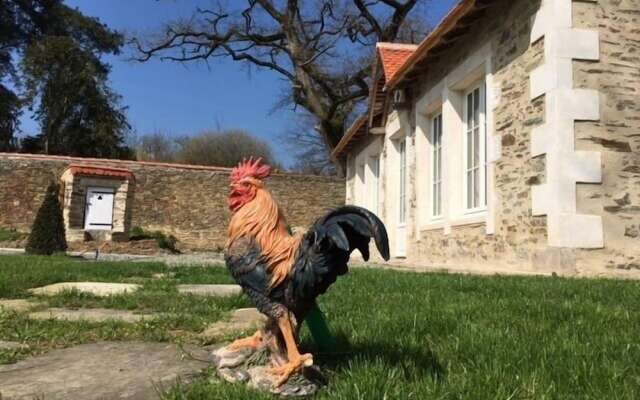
[47, 234]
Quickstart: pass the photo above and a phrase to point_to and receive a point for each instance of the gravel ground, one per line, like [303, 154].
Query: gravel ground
[172, 260]
[213, 258]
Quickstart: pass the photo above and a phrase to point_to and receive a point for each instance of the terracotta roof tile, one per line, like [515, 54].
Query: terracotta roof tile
[464, 9]
[108, 172]
[398, 60]
[392, 56]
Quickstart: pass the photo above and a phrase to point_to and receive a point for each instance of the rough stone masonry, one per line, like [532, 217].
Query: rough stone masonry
[186, 201]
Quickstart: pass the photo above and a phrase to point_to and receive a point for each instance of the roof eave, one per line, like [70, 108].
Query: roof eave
[358, 124]
[447, 24]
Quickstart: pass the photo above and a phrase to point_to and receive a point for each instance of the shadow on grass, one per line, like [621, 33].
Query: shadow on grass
[415, 362]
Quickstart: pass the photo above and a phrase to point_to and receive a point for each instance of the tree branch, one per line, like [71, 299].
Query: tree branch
[269, 8]
[375, 26]
[391, 31]
[321, 48]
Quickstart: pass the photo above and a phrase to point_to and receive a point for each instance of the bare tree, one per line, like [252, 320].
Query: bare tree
[310, 153]
[321, 48]
[157, 146]
[223, 149]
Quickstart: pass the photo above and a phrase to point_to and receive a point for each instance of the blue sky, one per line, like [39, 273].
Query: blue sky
[184, 99]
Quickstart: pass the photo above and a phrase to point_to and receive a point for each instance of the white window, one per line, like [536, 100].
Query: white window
[361, 186]
[453, 124]
[436, 166]
[374, 165]
[402, 218]
[475, 171]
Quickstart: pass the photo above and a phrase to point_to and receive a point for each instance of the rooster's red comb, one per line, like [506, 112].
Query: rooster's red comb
[250, 169]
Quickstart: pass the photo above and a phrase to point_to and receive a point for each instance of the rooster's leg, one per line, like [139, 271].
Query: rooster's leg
[295, 360]
[252, 342]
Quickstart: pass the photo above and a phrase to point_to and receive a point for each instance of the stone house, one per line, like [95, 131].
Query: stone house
[509, 138]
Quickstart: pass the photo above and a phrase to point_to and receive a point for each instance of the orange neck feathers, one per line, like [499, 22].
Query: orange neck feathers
[262, 220]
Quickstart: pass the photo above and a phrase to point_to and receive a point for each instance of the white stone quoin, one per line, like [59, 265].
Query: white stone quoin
[556, 137]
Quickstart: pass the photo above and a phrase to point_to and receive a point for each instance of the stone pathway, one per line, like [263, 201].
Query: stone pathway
[135, 371]
[242, 320]
[99, 289]
[103, 289]
[110, 370]
[89, 314]
[172, 260]
[211, 290]
[11, 345]
[18, 305]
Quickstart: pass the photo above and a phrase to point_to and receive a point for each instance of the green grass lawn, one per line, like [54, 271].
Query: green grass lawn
[19, 273]
[180, 317]
[401, 335]
[8, 235]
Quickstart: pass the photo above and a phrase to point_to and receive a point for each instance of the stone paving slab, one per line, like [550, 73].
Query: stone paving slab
[99, 289]
[210, 290]
[242, 320]
[97, 371]
[18, 305]
[10, 251]
[89, 314]
[11, 345]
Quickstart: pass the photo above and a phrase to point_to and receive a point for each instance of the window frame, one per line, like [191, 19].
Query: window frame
[436, 152]
[361, 190]
[402, 182]
[376, 162]
[468, 152]
[372, 200]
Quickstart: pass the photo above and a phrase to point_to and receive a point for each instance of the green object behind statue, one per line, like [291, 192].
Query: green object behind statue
[317, 324]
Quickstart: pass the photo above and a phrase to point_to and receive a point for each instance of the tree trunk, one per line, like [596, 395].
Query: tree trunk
[332, 132]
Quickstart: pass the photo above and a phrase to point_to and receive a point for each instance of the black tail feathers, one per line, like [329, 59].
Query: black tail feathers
[352, 227]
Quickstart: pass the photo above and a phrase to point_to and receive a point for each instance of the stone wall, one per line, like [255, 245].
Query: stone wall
[186, 201]
[617, 134]
[519, 240]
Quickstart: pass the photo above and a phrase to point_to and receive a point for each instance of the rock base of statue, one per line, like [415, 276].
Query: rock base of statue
[250, 367]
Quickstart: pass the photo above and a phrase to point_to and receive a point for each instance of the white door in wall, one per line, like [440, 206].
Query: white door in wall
[401, 231]
[99, 209]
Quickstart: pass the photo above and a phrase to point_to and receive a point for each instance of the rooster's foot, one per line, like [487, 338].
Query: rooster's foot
[253, 342]
[284, 372]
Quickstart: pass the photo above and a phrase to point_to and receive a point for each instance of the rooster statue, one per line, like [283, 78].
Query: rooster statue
[282, 274]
